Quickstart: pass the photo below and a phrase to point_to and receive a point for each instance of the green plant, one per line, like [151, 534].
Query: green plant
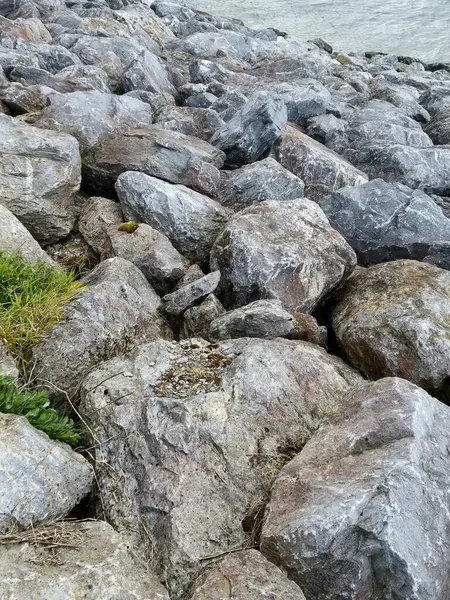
[32, 298]
[35, 406]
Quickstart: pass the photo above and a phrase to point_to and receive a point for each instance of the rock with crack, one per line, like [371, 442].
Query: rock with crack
[361, 512]
[40, 479]
[96, 216]
[176, 303]
[193, 434]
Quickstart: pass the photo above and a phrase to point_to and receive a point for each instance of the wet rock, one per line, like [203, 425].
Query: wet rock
[40, 479]
[117, 310]
[393, 320]
[383, 221]
[203, 428]
[439, 127]
[190, 220]
[250, 577]
[252, 130]
[264, 180]
[96, 564]
[39, 177]
[151, 252]
[157, 152]
[197, 320]
[178, 302]
[7, 363]
[97, 215]
[280, 250]
[353, 504]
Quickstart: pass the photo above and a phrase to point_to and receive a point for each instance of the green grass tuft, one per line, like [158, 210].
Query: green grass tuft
[35, 406]
[32, 298]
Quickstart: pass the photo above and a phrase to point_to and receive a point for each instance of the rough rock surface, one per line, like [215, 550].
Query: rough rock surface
[190, 220]
[281, 250]
[359, 503]
[393, 319]
[40, 480]
[96, 216]
[39, 177]
[246, 575]
[178, 302]
[99, 566]
[117, 306]
[197, 320]
[7, 363]
[203, 426]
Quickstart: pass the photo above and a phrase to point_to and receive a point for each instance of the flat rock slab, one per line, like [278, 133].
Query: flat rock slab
[361, 512]
[178, 302]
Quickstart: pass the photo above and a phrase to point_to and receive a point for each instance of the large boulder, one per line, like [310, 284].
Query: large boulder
[203, 428]
[190, 220]
[439, 127]
[284, 250]
[39, 177]
[384, 221]
[40, 479]
[322, 170]
[117, 310]
[89, 560]
[393, 319]
[361, 512]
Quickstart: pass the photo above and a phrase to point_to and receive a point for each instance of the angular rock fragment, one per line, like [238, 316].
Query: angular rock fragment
[15, 238]
[178, 302]
[197, 320]
[96, 216]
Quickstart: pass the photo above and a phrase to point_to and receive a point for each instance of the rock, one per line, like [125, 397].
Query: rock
[117, 310]
[193, 273]
[228, 104]
[40, 480]
[393, 320]
[198, 122]
[438, 127]
[260, 319]
[89, 115]
[178, 302]
[250, 577]
[147, 73]
[163, 154]
[190, 220]
[51, 57]
[14, 237]
[400, 96]
[139, 16]
[97, 215]
[84, 77]
[39, 177]
[151, 252]
[364, 502]
[252, 130]
[197, 320]
[384, 221]
[31, 30]
[263, 180]
[20, 99]
[322, 170]
[73, 253]
[303, 102]
[96, 564]
[13, 58]
[7, 363]
[280, 250]
[202, 427]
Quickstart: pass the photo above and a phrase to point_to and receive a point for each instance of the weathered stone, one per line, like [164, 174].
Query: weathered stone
[400, 96]
[151, 252]
[303, 101]
[193, 273]
[393, 319]
[190, 220]
[252, 130]
[12, 58]
[39, 176]
[97, 564]
[199, 122]
[264, 180]
[51, 57]
[139, 16]
[322, 170]
[439, 127]
[40, 479]
[280, 250]
[117, 310]
[361, 511]
[197, 320]
[7, 363]
[96, 216]
[20, 99]
[202, 427]
[31, 30]
[249, 576]
[383, 221]
[178, 302]
[73, 253]
[147, 73]
[157, 152]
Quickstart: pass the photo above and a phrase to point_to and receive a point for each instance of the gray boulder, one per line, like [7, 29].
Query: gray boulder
[361, 511]
[40, 175]
[384, 221]
[40, 480]
[190, 220]
[252, 130]
[51, 57]
[321, 169]
[178, 302]
[193, 273]
[97, 215]
[198, 122]
[280, 250]
[8, 365]
[163, 154]
[20, 99]
[147, 73]
[303, 101]
[197, 320]
[393, 320]
[117, 310]
[439, 127]
[96, 564]
[264, 180]
[150, 251]
[402, 96]
[250, 576]
[202, 429]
